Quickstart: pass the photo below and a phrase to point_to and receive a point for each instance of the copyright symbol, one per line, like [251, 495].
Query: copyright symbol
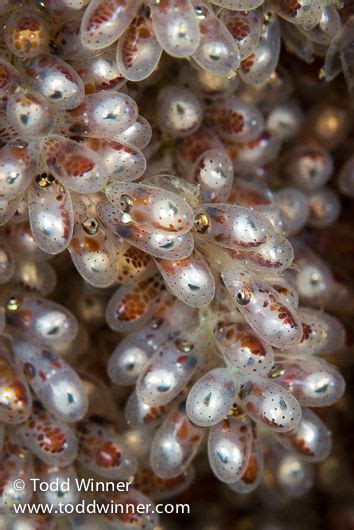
[19, 484]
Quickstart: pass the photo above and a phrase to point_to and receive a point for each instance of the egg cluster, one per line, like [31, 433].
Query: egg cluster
[190, 315]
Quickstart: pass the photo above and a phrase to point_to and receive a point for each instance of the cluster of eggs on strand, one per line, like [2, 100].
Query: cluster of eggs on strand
[181, 243]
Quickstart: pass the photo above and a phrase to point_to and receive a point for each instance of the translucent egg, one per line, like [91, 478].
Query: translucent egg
[138, 51]
[104, 22]
[133, 352]
[175, 444]
[310, 440]
[50, 213]
[75, 166]
[175, 27]
[214, 173]
[179, 112]
[189, 279]
[54, 382]
[26, 33]
[229, 447]
[168, 371]
[102, 114]
[261, 63]
[50, 439]
[40, 320]
[56, 80]
[217, 51]
[150, 207]
[269, 404]
[103, 451]
[132, 305]
[211, 398]
[314, 382]
[29, 114]
[235, 120]
[242, 349]
[267, 312]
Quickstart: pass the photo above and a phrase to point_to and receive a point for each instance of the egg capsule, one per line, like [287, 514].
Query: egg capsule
[235, 120]
[244, 26]
[102, 451]
[133, 352]
[310, 440]
[23, 243]
[150, 207]
[232, 226]
[312, 278]
[211, 398]
[92, 249]
[272, 257]
[242, 348]
[168, 370]
[29, 114]
[175, 27]
[290, 475]
[138, 51]
[60, 476]
[139, 134]
[253, 474]
[283, 287]
[50, 439]
[314, 382]
[254, 153]
[54, 79]
[122, 161]
[261, 63]
[39, 320]
[229, 447]
[307, 167]
[139, 414]
[179, 112]
[50, 213]
[327, 28]
[132, 305]
[293, 204]
[268, 403]
[191, 147]
[189, 279]
[99, 71]
[213, 172]
[157, 243]
[32, 277]
[15, 396]
[104, 22]
[175, 444]
[102, 114]
[55, 383]
[17, 167]
[132, 264]
[325, 208]
[322, 333]
[263, 308]
[217, 51]
[26, 33]
[75, 166]
[305, 13]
